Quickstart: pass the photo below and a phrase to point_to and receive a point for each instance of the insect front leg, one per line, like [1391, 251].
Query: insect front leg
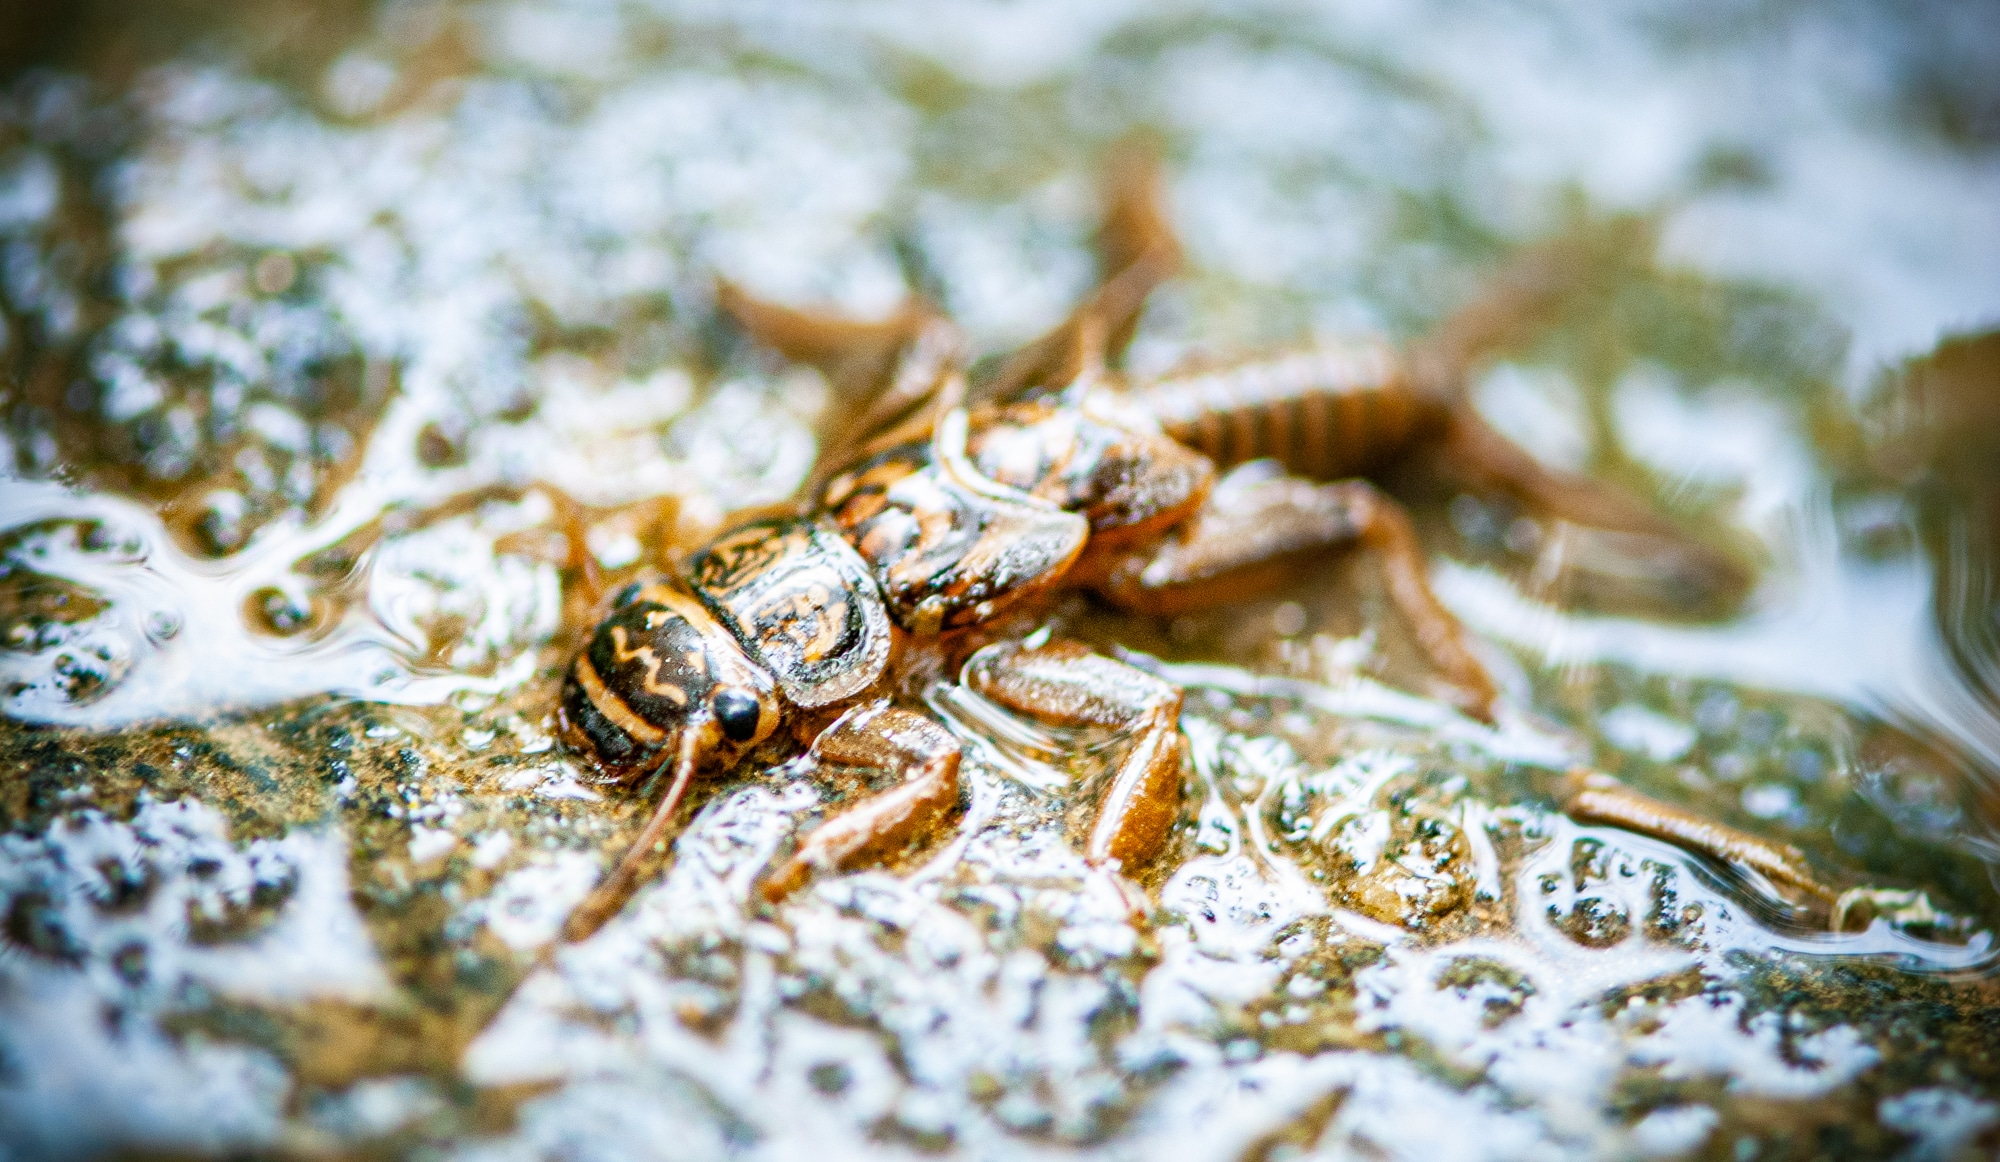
[1260, 529]
[1066, 684]
[880, 371]
[879, 739]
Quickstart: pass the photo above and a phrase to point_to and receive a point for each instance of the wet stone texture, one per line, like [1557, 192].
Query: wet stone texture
[298, 312]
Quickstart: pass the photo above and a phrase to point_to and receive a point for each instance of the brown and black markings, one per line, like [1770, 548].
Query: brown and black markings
[661, 683]
[911, 548]
[802, 602]
[950, 549]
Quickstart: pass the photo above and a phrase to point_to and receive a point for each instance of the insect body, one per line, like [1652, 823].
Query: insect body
[911, 549]
[921, 547]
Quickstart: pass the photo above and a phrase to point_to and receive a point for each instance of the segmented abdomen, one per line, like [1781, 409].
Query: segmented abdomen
[1325, 414]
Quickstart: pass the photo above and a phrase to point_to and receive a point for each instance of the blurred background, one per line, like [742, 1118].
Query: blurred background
[297, 300]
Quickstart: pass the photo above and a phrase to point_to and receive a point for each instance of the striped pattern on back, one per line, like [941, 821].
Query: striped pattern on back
[1327, 414]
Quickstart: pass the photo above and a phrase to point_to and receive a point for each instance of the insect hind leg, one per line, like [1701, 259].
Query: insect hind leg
[1679, 568]
[1260, 529]
[1593, 797]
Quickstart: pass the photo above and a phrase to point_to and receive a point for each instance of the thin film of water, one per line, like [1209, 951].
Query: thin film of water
[302, 333]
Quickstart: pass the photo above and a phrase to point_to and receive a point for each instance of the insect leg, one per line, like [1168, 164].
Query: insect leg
[877, 738]
[1259, 529]
[1524, 298]
[1136, 235]
[1136, 251]
[1683, 569]
[880, 371]
[1593, 797]
[1066, 684]
[855, 352]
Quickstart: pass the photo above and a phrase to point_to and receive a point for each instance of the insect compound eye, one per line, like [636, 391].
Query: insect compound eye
[738, 713]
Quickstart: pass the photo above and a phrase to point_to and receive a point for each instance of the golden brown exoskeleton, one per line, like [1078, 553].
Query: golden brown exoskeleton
[915, 545]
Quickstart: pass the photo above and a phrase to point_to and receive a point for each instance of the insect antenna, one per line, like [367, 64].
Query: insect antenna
[608, 897]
